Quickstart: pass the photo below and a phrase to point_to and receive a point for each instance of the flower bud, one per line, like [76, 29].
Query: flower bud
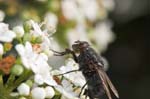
[29, 83]
[26, 37]
[24, 89]
[38, 40]
[38, 93]
[49, 92]
[7, 46]
[28, 25]
[38, 79]
[19, 31]
[17, 70]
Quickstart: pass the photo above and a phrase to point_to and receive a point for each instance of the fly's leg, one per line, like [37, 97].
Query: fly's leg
[56, 53]
[67, 51]
[86, 93]
[82, 89]
[67, 72]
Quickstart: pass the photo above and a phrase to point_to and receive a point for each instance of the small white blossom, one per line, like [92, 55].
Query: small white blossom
[78, 33]
[67, 90]
[23, 89]
[90, 8]
[80, 9]
[19, 31]
[26, 51]
[37, 63]
[37, 32]
[103, 35]
[38, 79]
[43, 69]
[36, 29]
[70, 9]
[2, 15]
[1, 49]
[51, 21]
[49, 92]
[6, 35]
[76, 77]
[38, 93]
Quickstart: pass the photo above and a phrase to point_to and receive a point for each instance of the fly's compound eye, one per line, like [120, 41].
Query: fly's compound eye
[75, 47]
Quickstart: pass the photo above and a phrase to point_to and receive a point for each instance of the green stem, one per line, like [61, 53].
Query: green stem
[10, 81]
[12, 84]
[22, 78]
[1, 82]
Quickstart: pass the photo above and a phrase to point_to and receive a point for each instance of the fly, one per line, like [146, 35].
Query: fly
[92, 68]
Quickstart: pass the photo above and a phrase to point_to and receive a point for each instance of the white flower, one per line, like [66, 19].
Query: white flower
[28, 56]
[36, 62]
[38, 79]
[46, 43]
[1, 49]
[80, 9]
[37, 32]
[23, 89]
[2, 15]
[36, 29]
[78, 33]
[70, 9]
[90, 8]
[19, 31]
[51, 22]
[103, 35]
[49, 92]
[38, 93]
[42, 68]
[76, 77]
[6, 35]
[67, 90]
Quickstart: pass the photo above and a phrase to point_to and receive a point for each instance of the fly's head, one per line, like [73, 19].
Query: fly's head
[79, 46]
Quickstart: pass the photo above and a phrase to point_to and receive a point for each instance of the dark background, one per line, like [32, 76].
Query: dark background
[129, 55]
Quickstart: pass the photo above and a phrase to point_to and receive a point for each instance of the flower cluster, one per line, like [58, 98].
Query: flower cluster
[25, 49]
[91, 21]
[78, 19]
[24, 53]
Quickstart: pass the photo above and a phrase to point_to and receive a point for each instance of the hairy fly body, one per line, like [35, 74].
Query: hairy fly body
[92, 68]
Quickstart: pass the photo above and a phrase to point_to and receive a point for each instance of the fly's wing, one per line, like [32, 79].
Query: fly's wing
[104, 82]
[98, 64]
[105, 79]
[111, 85]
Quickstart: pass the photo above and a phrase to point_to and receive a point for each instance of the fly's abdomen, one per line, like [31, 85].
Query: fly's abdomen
[95, 89]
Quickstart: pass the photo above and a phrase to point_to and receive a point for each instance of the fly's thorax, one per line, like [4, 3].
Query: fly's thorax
[79, 46]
